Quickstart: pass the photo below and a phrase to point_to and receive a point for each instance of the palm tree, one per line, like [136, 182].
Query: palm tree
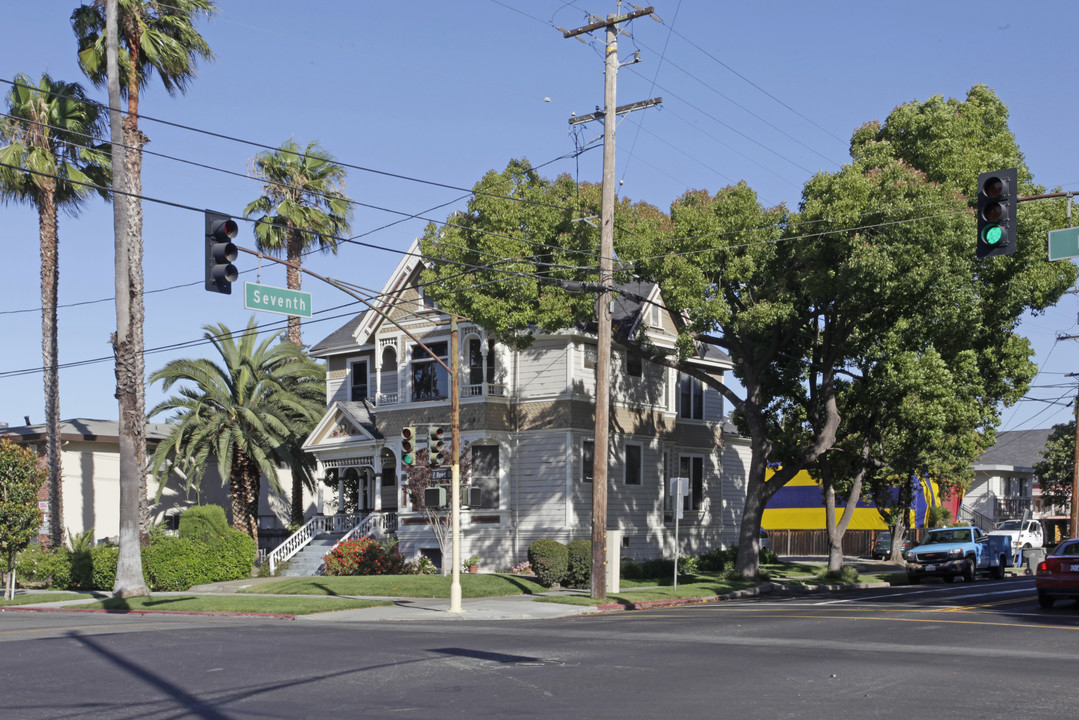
[152, 36]
[50, 162]
[245, 412]
[302, 205]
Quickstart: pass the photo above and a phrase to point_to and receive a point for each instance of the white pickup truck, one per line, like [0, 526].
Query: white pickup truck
[1025, 534]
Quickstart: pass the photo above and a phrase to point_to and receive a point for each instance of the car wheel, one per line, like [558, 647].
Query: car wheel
[1045, 600]
[970, 571]
[998, 571]
[1027, 546]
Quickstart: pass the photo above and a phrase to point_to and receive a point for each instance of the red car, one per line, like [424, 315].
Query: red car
[1058, 574]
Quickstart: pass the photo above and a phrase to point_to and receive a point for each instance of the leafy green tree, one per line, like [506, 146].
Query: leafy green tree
[1056, 471]
[49, 160]
[242, 412]
[302, 205]
[21, 476]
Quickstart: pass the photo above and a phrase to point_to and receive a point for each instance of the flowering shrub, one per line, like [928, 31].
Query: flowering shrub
[524, 568]
[364, 556]
[421, 566]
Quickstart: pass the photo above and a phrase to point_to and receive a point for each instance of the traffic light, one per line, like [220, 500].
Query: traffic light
[408, 445]
[997, 203]
[220, 252]
[436, 447]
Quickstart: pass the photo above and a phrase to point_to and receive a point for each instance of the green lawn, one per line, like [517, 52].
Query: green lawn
[236, 604]
[34, 598]
[417, 586]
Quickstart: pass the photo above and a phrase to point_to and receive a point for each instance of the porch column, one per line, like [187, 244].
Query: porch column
[340, 493]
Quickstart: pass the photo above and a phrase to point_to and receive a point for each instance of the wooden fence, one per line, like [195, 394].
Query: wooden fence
[802, 543]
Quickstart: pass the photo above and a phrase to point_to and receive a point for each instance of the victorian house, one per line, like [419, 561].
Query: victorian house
[527, 426]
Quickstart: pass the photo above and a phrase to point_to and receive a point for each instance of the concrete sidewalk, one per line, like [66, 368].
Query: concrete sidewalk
[509, 607]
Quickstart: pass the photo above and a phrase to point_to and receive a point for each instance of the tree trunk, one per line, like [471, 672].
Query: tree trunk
[50, 277]
[244, 481]
[294, 255]
[127, 228]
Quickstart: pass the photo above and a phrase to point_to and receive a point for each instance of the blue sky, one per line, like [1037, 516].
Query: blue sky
[422, 98]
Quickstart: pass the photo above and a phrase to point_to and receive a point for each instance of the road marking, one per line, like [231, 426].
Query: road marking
[919, 592]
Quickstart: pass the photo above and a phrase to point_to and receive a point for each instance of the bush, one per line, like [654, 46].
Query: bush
[169, 563]
[204, 522]
[37, 568]
[579, 564]
[549, 560]
[365, 556]
[422, 565]
[178, 563]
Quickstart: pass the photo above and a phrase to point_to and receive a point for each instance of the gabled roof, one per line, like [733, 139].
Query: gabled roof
[1015, 449]
[343, 423]
[358, 330]
[629, 309]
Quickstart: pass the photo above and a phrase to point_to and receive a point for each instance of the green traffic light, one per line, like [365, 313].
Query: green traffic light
[992, 234]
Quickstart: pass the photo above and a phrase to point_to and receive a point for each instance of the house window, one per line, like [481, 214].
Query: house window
[485, 474]
[692, 467]
[490, 361]
[588, 460]
[634, 365]
[475, 362]
[1016, 486]
[359, 381]
[691, 398]
[634, 466]
[430, 381]
[657, 316]
[589, 356]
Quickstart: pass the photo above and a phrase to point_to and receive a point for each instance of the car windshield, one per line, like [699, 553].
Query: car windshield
[946, 536]
[1009, 525]
[1071, 548]
[884, 537]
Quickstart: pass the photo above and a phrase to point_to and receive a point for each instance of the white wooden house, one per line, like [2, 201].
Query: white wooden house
[526, 418]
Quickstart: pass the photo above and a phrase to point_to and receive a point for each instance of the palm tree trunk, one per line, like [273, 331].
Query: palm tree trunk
[294, 252]
[244, 481]
[294, 255]
[50, 277]
[127, 224]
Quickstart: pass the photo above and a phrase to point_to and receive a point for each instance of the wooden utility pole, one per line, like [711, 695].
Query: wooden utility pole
[603, 303]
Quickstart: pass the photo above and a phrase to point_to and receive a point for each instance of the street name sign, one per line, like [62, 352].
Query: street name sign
[1064, 243]
[441, 474]
[277, 300]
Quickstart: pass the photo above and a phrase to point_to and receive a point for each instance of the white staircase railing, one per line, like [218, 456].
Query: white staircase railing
[348, 523]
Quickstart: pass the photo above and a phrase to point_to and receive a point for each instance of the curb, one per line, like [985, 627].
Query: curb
[762, 589]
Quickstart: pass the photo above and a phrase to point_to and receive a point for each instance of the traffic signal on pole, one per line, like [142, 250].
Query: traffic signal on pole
[220, 252]
[997, 209]
[436, 447]
[408, 445]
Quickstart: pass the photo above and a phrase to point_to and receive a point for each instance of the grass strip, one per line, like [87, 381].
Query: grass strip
[43, 597]
[416, 586]
[235, 604]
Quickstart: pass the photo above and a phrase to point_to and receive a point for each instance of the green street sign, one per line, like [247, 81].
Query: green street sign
[1064, 243]
[277, 300]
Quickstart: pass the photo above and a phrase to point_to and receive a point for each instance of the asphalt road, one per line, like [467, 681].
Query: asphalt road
[984, 650]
